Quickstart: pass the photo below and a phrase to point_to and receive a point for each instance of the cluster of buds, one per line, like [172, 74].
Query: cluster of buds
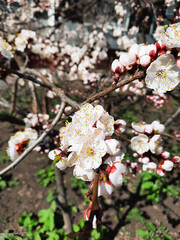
[147, 146]
[136, 87]
[67, 109]
[176, 135]
[37, 120]
[49, 142]
[87, 145]
[24, 38]
[133, 167]
[162, 73]
[157, 99]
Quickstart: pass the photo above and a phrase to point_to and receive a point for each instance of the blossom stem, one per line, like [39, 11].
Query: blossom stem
[95, 202]
[122, 137]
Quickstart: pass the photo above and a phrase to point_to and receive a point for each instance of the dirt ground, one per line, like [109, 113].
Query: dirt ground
[30, 196]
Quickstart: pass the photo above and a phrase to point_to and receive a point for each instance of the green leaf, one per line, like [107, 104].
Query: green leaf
[52, 236]
[168, 237]
[46, 216]
[95, 234]
[150, 226]
[147, 185]
[3, 184]
[76, 228]
[13, 182]
[50, 196]
[143, 233]
[53, 206]
[57, 158]
[82, 221]
[36, 236]
[74, 209]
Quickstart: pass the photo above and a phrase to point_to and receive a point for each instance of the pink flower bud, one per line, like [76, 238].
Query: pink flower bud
[165, 154]
[145, 60]
[145, 160]
[117, 67]
[120, 125]
[175, 159]
[167, 165]
[160, 171]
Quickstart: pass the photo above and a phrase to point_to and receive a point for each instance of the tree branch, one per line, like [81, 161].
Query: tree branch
[171, 118]
[44, 83]
[63, 200]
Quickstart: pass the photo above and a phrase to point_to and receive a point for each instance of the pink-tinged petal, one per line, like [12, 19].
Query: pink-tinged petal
[167, 165]
[104, 188]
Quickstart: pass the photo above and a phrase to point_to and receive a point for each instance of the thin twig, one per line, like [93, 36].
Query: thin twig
[35, 104]
[40, 139]
[122, 137]
[171, 118]
[137, 75]
[13, 98]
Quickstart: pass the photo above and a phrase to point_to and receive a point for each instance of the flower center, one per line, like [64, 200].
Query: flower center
[20, 147]
[160, 73]
[90, 151]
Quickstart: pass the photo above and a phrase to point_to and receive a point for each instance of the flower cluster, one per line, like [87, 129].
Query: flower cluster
[147, 146]
[23, 39]
[162, 73]
[136, 87]
[86, 143]
[39, 122]
[67, 109]
[157, 99]
[35, 120]
[20, 141]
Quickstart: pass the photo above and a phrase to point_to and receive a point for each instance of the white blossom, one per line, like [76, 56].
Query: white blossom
[139, 126]
[171, 36]
[117, 174]
[140, 144]
[20, 141]
[104, 188]
[113, 146]
[155, 144]
[150, 167]
[85, 175]
[157, 126]
[163, 74]
[5, 48]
